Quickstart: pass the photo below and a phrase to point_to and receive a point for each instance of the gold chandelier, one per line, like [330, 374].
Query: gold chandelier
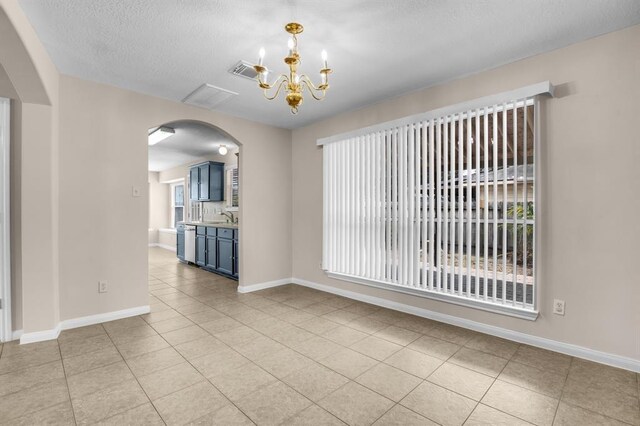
[293, 83]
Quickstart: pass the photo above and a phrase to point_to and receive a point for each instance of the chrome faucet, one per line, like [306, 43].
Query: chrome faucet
[230, 217]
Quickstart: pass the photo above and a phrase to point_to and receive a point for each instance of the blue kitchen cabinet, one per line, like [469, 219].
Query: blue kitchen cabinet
[236, 255]
[212, 251]
[207, 182]
[201, 250]
[225, 256]
[194, 179]
[180, 242]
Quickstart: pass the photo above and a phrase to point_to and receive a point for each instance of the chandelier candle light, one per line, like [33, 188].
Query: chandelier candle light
[293, 83]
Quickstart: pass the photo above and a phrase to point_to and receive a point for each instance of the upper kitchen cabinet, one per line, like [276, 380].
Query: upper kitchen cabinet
[207, 182]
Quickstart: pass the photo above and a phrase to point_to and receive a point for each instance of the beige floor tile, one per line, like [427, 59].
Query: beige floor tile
[438, 404]
[291, 335]
[481, 362]
[190, 404]
[123, 324]
[251, 316]
[484, 415]
[91, 360]
[169, 380]
[318, 325]
[461, 380]
[319, 308]
[611, 403]
[299, 302]
[434, 347]
[345, 336]
[367, 325]
[260, 347]
[273, 404]
[603, 376]
[376, 348]
[184, 335]
[349, 363]
[75, 347]
[313, 416]
[154, 361]
[284, 362]
[545, 382]
[98, 378]
[493, 345]
[569, 415]
[356, 405]
[453, 334]
[317, 348]
[34, 399]
[401, 416]
[242, 381]
[522, 403]
[341, 316]
[143, 415]
[15, 357]
[24, 379]
[155, 317]
[171, 324]
[219, 362]
[276, 309]
[296, 316]
[238, 336]
[200, 347]
[192, 308]
[228, 415]
[108, 402]
[122, 336]
[389, 381]
[142, 346]
[362, 308]
[221, 324]
[410, 322]
[57, 415]
[414, 362]
[397, 335]
[81, 333]
[316, 381]
[542, 359]
[207, 315]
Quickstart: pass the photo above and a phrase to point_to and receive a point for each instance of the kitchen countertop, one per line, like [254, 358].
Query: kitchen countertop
[213, 224]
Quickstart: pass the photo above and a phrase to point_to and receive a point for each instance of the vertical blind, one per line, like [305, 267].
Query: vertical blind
[440, 204]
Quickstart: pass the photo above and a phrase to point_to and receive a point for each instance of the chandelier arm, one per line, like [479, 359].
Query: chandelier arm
[310, 84]
[278, 83]
[313, 89]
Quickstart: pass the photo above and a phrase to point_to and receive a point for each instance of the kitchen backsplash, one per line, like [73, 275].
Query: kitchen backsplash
[211, 211]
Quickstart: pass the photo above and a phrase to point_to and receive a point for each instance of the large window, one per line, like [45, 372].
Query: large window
[441, 204]
[177, 203]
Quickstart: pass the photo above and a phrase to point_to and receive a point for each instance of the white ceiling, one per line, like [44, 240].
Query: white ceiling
[191, 142]
[377, 48]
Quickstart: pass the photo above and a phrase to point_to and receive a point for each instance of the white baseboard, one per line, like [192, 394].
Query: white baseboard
[41, 336]
[261, 286]
[16, 335]
[541, 342]
[106, 317]
[163, 246]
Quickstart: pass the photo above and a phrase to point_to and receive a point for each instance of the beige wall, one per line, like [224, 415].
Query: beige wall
[159, 207]
[589, 228]
[103, 134]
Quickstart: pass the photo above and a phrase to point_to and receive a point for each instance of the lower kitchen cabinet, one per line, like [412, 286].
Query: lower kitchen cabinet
[180, 242]
[212, 253]
[201, 250]
[225, 256]
[236, 255]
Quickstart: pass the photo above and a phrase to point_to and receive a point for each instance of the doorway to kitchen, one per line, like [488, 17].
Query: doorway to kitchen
[194, 195]
[5, 249]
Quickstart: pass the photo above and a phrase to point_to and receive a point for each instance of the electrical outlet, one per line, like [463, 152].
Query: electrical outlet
[102, 287]
[558, 307]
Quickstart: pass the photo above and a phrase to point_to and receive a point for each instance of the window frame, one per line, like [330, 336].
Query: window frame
[530, 92]
[172, 201]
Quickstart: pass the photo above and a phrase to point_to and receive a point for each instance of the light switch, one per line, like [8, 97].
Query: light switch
[135, 191]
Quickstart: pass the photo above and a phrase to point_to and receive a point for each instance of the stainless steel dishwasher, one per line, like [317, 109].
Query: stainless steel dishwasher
[190, 243]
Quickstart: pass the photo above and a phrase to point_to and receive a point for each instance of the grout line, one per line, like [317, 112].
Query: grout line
[66, 381]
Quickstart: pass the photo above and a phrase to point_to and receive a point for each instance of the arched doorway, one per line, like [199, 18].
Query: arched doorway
[194, 202]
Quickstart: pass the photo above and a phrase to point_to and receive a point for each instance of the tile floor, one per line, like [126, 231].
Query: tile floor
[291, 355]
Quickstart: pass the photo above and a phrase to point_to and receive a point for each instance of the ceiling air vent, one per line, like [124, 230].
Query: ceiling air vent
[208, 96]
[244, 69]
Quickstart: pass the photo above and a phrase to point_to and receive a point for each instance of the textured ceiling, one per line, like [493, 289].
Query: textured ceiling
[377, 48]
[190, 143]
